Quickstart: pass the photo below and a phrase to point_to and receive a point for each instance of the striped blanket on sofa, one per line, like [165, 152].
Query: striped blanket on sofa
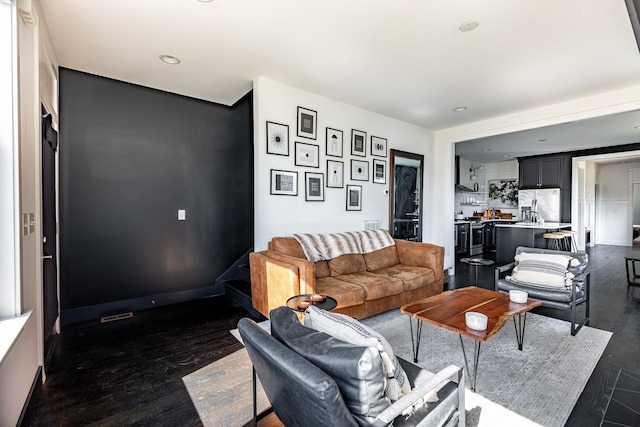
[323, 247]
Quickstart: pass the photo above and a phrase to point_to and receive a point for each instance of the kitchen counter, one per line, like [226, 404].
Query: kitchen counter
[537, 225]
[468, 221]
[529, 234]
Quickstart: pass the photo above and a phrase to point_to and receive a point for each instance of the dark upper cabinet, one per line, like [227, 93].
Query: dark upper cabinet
[541, 172]
[552, 171]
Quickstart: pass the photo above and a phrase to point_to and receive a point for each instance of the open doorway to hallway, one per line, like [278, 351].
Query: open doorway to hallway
[636, 215]
[608, 189]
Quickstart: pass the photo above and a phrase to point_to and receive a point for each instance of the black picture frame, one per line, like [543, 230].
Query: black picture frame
[379, 171]
[307, 155]
[335, 142]
[277, 139]
[358, 143]
[359, 170]
[307, 123]
[314, 186]
[335, 174]
[378, 146]
[354, 197]
[284, 183]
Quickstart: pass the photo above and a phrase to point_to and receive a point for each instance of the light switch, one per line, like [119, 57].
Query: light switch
[182, 214]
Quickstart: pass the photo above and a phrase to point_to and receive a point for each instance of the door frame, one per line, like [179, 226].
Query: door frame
[56, 327]
[420, 181]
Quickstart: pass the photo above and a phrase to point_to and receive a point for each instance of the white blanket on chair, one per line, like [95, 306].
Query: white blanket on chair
[323, 247]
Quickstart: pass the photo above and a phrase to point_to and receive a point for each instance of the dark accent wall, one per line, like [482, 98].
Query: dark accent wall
[130, 157]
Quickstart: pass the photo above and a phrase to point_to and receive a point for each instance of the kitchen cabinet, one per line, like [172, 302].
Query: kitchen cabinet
[489, 236]
[550, 171]
[510, 236]
[476, 246]
[541, 172]
[462, 238]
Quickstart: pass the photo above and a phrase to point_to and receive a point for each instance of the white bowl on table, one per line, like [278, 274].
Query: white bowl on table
[476, 321]
[519, 297]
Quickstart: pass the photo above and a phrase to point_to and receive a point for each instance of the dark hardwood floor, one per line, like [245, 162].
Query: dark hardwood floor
[130, 371]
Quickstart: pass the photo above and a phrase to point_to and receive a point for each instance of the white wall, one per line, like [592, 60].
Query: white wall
[20, 366]
[502, 171]
[491, 171]
[583, 204]
[285, 215]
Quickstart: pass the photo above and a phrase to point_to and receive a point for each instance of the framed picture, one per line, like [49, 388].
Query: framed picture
[379, 171]
[335, 174]
[358, 143]
[503, 193]
[360, 170]
[354, 197]
[307, 123]
[314, 187]
[334, 142]
[277, 139]
[378, 146]
[307, 155]
[284, 183]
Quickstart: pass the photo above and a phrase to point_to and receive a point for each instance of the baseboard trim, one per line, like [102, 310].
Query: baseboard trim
[95, 312]
[35, 385]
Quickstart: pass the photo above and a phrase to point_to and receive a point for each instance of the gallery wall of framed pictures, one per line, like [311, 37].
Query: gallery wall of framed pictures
[324, 162]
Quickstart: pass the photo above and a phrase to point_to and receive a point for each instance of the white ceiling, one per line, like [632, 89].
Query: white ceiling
[404, 59]
[604, 131]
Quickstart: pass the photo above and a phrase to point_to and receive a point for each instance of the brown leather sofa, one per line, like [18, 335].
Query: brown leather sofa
[363, 285]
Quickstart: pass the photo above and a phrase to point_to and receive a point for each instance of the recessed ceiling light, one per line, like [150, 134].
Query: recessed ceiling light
[459, 109]
[205, 1]
[169, 59]
[486, 149]
[637, 127]
[506, 156]
[542, 140]
[465, 27]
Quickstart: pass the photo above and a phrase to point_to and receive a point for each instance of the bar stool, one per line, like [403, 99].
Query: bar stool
[570, 240]
[554, 240]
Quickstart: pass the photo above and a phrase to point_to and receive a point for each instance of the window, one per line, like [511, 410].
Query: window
[9, 191]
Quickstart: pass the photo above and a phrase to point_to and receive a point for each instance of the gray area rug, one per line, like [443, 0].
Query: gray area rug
[539, 385]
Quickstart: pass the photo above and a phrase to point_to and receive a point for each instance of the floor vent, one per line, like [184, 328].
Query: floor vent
[114, 317]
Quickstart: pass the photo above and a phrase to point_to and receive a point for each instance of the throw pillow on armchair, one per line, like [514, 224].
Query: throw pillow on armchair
[350, 330]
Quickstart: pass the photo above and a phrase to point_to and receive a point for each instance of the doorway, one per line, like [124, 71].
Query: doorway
[405, 191]
[636, 215]
[50, 304]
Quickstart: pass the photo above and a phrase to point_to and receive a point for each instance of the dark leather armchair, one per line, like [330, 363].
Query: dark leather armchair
[564, 299]
[302, 394]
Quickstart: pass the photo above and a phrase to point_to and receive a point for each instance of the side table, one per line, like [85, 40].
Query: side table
[632, 276]
[476, 262]
[328, 304]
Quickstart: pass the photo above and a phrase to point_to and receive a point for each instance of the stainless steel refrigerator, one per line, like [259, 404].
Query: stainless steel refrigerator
[546, 202]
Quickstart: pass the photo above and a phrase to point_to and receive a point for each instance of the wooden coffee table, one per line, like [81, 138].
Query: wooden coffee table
[448, 309]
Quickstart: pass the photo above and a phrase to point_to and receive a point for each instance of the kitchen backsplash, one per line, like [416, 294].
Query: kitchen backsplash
[491, 171]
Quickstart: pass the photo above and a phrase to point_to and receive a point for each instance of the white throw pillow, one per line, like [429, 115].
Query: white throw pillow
[560, 260]
[348, 329]
[548, 270]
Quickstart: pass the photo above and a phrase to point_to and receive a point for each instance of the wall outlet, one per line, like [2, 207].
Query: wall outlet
[182, 214]
[371, 224]
[25, 224]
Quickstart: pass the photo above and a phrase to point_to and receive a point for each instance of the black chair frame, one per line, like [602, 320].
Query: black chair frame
[576, 325]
